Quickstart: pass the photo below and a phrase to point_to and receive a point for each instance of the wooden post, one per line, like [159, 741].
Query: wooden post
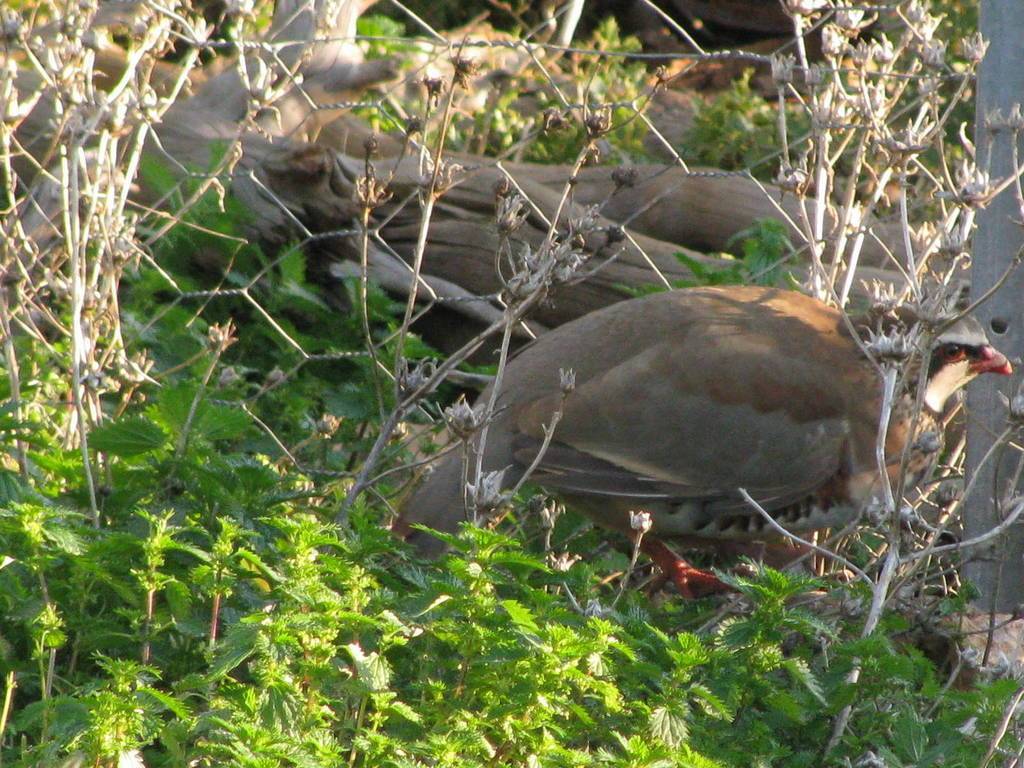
[997, 570]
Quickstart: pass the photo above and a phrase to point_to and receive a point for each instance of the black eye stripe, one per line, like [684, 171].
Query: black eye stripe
[953, 352]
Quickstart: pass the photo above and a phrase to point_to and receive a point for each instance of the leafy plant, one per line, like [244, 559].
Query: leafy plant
[763, 248]
[737, 129]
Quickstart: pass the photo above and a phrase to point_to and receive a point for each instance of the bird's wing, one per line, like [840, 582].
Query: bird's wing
[697, 418]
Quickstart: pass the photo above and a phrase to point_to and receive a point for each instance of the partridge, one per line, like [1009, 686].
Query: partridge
[684, 397]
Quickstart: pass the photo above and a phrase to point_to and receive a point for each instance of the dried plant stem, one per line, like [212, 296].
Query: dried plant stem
[364, 311]
[70, 157]
[13, 378]
[10, 685]
[1004, 723]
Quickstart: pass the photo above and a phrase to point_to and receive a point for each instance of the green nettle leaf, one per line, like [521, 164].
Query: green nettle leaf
[520, 615]
[710, 704]
[669, 726]
[404, 710]
[65, 539]
[911, 738]
[222, 423]
[802, 674]
[12, 487]
[128, 436]
[371, 668]
[238, 645]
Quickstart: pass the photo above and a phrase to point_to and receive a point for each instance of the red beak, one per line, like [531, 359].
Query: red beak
[991, 360]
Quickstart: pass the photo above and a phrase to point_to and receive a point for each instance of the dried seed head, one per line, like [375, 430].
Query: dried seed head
[909, 142]
[815, 75]
[220, 337]
[833, 40]
[884, 51]
[562, 562]
[615, 234]
[870, 101]
[923, 237]
[228, 376]
[447, 176]
[567, 263]
[875, 512]
[528, 277]
[463, 419]
[487, 494]
[412, 379]
[599, 122]
[869, 760]
[933, 54]
[975, 189]
[974, 47]
[792, 179]
[862, 52]
[851, 20]
[549, 511]
[929, 85]
[327, 424]
[893, 347]
[10, 26]
[828, 115]
[465, 69]
[413, 126]
[511, 213]
[948, 492]
[434, 86]
[553, 120]
[953, 244]
[625, 176]
[371, 145]
[640, 521]
[782, 69]
[371, 192]
[661, 77]
[566, 380]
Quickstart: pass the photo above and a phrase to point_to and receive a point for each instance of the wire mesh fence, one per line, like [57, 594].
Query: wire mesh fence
[391, 205]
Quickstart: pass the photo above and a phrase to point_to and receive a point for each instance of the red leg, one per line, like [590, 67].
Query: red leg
[691, 582]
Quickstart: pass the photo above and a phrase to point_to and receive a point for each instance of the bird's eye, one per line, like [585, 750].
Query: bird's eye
[952, 353]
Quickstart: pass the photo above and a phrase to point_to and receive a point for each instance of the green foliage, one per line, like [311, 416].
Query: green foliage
[737, 129]
[214, 614]
[333, 645]
[511, 121]
[388, 29]
[611, 80]
[763, 248]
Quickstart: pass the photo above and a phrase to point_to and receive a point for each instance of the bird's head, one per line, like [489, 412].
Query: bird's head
[961, 352]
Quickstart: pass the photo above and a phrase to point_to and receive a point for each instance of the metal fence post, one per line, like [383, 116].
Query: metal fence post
[998, 570]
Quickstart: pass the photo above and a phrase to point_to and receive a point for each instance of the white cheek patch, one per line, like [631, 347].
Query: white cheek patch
[944, 383]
